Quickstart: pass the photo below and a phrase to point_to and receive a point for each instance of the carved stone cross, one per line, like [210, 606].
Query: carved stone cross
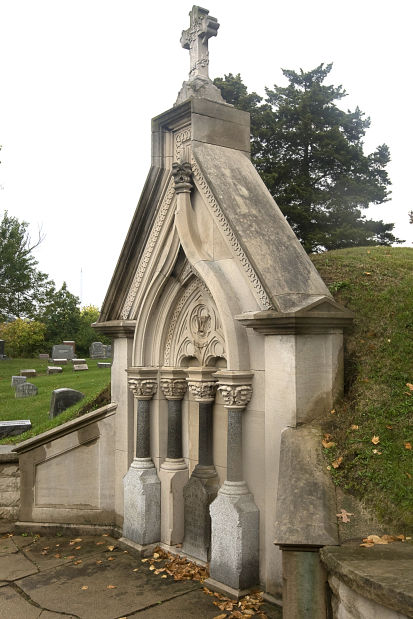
[196, 40]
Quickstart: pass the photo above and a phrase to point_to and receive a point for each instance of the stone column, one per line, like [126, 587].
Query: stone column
[234, 515]
[202, 486]
[142, 489]
[173, 471]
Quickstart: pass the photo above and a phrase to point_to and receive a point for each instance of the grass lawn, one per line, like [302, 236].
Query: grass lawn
[372, 427]
[90, 382]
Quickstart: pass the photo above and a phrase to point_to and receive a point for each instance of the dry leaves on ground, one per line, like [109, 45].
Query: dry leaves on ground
[344, 515]
[337, 462]
[375, 440]
[180, 568]
[407, 445]
[327, 442]
[248, 606]
[372, 540]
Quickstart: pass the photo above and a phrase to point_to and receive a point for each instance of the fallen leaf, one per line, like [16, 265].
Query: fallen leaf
[376, 451]
[78, 539]
[337, 462]
[99, 543]
[156, 555]
[410, 386]
[344, 515]
[332, 412]
[408, 475]
[77, 562]
[84, 587]
[136, 569]
[389, 427]
[366, 273]
[71, 557]
[105, 534]
[111, 587]
[78, 547]
[111, 558]
[144, 560]
[375, 440]
[407, 445]
[151, 567]
[57, 556]
[327, 444]
[164, 576]
[328, 436]
[354, 427]
[111, 548]
[367, 544]
[222, 616]
[99, 561]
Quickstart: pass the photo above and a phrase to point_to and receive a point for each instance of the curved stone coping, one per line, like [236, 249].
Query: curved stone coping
[66, 428]
[382, 573]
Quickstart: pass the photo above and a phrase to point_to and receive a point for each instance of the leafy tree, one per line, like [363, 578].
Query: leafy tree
[23, 338]
[22, 286]
[86, 334]
[310, 155]
[61, 314]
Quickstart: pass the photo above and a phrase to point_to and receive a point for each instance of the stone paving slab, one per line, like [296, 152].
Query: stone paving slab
[51, 552]
[7, 546]
[14, 606]
[15, 566]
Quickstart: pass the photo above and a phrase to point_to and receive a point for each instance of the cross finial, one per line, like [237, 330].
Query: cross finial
[202, 27]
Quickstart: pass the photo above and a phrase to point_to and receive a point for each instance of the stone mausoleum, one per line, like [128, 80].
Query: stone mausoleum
[224, 337]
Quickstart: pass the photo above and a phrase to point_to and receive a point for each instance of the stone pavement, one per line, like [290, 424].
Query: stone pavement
[92, 577]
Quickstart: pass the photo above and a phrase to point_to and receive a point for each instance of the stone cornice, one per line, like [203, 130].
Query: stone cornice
[302, 322]
[116, 328]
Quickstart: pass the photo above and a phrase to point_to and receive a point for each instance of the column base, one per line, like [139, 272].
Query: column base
[235, 537]
[142, 503]
[173, 475]
[199, 492]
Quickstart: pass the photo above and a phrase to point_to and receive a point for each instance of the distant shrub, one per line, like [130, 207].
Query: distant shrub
[23, 338]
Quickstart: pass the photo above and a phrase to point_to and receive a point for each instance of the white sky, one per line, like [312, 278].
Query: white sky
[81, 79]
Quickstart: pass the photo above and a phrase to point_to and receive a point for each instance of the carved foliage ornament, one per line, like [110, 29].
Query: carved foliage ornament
[236, 396]
[173, 388]
[143, 388]
[203, 391]
[182, 174]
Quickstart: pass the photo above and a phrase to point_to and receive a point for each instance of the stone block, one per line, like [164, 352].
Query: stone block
[18, 380]
[62, 399]
[62, 351]
[103, 364]
[71, 343]
[54, 369]
[28, 373]
[81, 367]
[97, 350]
[78, 361]
[235, 537]
[173, 478]
[14, 428]
[1, 348]
[44, 357]
[25, 390]
[198, 494]
[60, 361]
[142, 504]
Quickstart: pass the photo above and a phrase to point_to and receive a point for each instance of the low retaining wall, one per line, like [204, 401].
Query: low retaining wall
[9, 483]
[370, 583]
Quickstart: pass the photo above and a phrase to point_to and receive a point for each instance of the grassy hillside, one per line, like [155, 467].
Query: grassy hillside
[36, 408]
[372, 427]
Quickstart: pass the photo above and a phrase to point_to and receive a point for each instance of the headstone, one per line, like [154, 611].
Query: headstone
[25, 390]
[63, 351]
[44, 357]
[15, 427]
[71, 343]
[102, 364]
[62, 399]
[108, 354]
[18, 380]
[29, 373]
[78, 361]
[80, 367]
[54, 369]
[60, 361]
[1, 348]
[97, 350]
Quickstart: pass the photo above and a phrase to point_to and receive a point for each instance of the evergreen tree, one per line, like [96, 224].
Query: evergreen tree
[309, 153]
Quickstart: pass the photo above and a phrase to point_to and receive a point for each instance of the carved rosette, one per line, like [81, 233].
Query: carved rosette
[203, 391]
[182, 174]
[143, 388]
[235, 396]
[173, 388]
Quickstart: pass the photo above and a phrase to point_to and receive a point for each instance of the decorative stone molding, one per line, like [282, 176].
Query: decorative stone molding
[182, 175]
[258, 289]
[236, 397]
[143, 388]
[203, 391]
[173, 388]
[182, 144]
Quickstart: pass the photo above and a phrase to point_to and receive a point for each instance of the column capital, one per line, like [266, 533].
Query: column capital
[235, 387]
[143, 382]
[173, 383]
[202, 384]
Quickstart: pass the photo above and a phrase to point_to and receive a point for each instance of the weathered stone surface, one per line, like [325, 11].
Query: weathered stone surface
[54, 369]
[25, 390]
[62, 399]
[97, 350]
[60, 361]
[71, 343]
[62, 351]
[304, 585]
[15, 566]
[304, 481]
[80, 367]
[28, 373]
[14, 606]
[18, 380]
[102, 365]
[15, 427]
[198, 494]
[78, 361]
[142, 504]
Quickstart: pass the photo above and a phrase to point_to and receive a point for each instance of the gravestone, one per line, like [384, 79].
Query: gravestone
[108, 351]
[62, 399]
[54, 369]
[1, 349]
[60, 361]
[18, 380]
[44, 357]
[102, 364]
[71, 343]
[25, 390]
[29, 373]
[15, 427]
[80, 367]
[97, 350]
[78, 361]
[62, 351]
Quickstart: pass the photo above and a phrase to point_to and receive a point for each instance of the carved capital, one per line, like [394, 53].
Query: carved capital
[203, 391]
[235, 396]
[143, 388]
[173, 388]
[182, 173]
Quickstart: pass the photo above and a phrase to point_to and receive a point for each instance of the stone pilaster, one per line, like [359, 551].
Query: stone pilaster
[173, 471]
[202, 486]
[142, 489]
[234, 515]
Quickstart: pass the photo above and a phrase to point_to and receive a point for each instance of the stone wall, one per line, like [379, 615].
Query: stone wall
[9, 484]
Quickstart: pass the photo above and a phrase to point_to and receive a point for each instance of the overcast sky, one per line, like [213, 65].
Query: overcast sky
[81, 79]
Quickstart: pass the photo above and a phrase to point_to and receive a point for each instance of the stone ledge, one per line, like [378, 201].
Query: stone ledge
[382, 573]
[7, 455]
